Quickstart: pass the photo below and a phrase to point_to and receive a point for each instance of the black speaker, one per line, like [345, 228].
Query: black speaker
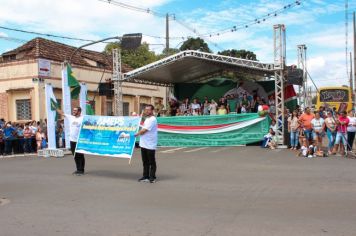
[131, 41]
[106, 89]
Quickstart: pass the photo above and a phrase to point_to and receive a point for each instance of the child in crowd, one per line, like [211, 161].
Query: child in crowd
[269, 140]
[272, 144]
[303, 149]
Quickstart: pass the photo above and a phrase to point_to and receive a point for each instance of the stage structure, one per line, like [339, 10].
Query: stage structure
[279, 38]
[304, 99]
[200, 67]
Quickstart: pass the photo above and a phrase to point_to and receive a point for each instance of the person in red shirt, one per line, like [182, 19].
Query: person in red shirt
[305, 123]
[341, 136]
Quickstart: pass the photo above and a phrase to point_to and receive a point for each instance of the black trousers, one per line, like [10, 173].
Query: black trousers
[350, 140]
[78, 157]
[149, 163]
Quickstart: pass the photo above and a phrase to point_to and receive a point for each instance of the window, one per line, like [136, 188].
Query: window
[126, 109]
[142, 107]
[109, 111]
[23, 109]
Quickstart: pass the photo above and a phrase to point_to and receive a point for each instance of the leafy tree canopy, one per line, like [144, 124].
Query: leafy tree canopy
[245, 54]
[195, 44]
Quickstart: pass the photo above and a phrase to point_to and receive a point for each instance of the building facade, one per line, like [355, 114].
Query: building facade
[25, 70]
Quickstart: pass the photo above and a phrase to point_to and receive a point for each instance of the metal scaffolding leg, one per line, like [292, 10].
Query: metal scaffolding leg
[279, 65]
[303, 98]
[117, 80]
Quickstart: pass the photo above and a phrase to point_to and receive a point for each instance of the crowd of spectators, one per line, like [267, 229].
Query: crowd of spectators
[307, 131]
[228, 104]
[26, 137]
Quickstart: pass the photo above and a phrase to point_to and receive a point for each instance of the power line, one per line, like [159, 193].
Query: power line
[46, 34]
[134, 8]
[256, 21]
[11, 39]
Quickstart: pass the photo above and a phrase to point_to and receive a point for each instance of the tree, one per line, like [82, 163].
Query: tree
[245, 54]
[170, 51]
[134, 58]
[195, 44]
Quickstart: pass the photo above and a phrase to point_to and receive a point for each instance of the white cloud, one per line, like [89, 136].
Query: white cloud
[2, 34]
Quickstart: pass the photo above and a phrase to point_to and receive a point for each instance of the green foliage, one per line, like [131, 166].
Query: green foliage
[170, 51]
[245, 54]
[195, 44]
[134, 58]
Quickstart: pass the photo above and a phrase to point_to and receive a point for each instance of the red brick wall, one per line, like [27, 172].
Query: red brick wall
[3, 106]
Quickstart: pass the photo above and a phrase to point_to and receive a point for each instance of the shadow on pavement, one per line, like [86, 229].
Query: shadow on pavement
[125, 175]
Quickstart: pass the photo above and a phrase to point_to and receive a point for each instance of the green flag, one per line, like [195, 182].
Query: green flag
[73, 83]
[89, 109]
[54, 107]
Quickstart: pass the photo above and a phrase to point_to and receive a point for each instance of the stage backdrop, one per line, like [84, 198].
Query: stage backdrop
[111, 136]
[217, 88]
[223, 130]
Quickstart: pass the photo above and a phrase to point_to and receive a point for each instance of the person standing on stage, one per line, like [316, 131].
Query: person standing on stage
[75, 121]
[148, 144]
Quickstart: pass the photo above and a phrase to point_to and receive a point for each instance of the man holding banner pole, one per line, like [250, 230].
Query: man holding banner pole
[148, 144]
[75, 122]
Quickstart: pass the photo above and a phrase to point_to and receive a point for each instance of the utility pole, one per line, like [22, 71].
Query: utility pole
[167, 33]
[351, 80]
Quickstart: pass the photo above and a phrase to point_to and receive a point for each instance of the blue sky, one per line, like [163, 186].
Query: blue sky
[316, 23]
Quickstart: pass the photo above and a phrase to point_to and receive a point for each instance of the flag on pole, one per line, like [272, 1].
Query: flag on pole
[51, 110]
[54, 107]
[89, 109]
[67, 104]
[73, 83]
[84, 100]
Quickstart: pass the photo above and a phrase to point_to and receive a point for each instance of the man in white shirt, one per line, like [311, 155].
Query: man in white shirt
[75, 122]
[148, 144]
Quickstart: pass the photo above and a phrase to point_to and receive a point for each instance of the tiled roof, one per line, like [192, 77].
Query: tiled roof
[55, 51]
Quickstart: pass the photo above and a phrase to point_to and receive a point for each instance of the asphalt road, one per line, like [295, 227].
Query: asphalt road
[207, 191]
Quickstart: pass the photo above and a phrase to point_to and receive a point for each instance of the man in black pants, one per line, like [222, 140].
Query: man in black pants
[148, 144]
[75, 121]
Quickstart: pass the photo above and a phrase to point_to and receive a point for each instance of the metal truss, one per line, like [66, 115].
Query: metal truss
[254, 65]
[117, 80]
[303, 98]
[140, 81]
[279, 39]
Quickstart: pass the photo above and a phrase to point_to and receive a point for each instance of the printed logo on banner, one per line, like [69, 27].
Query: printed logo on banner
[112, 136]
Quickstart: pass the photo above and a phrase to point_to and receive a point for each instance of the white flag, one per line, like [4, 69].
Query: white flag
[67, 106]
[83, 98]
[51, 106]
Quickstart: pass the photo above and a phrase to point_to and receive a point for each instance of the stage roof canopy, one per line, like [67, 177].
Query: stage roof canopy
[195, 67]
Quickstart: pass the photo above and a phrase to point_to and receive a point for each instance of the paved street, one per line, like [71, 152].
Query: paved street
[200, 191]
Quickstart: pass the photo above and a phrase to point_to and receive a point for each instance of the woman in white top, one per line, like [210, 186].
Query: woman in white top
[351, 130]
[293, 126]
[318, 129]
[330, 124]
[212, 107]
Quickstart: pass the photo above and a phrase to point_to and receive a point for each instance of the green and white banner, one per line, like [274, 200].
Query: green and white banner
[219, 130]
